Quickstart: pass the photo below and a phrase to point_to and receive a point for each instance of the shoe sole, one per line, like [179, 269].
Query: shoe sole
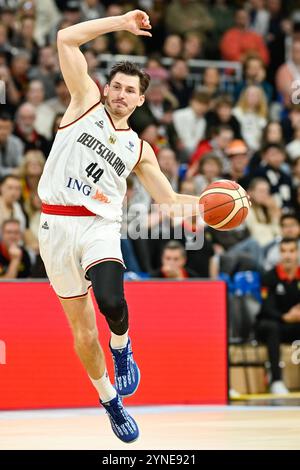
[130, 394]
[130, 442]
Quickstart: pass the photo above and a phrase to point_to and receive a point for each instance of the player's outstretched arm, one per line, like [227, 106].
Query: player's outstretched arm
[158, 186]
[72, 61]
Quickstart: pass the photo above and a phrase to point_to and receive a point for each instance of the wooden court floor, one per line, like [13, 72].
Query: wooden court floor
[171, 427]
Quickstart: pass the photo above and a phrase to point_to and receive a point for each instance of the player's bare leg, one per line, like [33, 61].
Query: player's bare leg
[80, 313]
[81, 316]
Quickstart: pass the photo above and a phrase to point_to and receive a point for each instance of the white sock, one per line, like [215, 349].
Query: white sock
[104, 387]
[118, 341]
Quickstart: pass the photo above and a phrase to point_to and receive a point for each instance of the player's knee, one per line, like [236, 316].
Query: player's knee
[85, 339]
[112, 307]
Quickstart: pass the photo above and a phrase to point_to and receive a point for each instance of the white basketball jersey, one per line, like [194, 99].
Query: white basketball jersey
[88, 164]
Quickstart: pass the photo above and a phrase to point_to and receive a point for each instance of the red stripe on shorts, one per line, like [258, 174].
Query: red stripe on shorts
[79, 211]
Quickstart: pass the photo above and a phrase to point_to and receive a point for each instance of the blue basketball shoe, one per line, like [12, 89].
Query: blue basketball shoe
[123, 425]
[127, 373]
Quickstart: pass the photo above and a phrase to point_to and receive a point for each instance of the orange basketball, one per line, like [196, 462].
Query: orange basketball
[225, 204]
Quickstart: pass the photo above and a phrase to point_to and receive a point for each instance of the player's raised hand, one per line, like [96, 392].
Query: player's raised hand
[137, 21]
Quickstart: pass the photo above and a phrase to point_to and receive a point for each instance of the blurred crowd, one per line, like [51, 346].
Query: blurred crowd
[248, 132]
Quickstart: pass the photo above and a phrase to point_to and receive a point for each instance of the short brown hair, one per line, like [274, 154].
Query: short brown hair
[201, 97]
[129, 68]
[175, 245]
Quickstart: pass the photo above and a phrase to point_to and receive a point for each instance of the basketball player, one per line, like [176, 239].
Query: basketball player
[82, 189]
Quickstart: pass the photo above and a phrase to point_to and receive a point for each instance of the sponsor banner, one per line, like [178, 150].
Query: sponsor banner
[178, 332]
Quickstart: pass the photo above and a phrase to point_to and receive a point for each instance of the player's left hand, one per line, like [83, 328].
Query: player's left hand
[136, 22]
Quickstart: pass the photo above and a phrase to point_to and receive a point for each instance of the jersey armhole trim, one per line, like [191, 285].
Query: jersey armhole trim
[140, 155]
[80, 117]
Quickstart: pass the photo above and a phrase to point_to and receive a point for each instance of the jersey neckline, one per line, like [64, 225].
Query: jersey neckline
[112, 123]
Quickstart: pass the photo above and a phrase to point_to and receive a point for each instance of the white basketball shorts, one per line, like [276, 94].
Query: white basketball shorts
[70, 245]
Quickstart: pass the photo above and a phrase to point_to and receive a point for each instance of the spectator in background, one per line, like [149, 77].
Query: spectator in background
[288, 73]
[61, 101]
[6, 33]
[128, 44]
[113, 9]
[47, 17]
[239, 41]
[7, 17]
[264, 214]
[290, 228]
[173, 263]
[279, 319]
[11, 147]
[295, 164]
[93, 69]
[211, 81]
[157, 107]
[100, 45]
[218, 143]
[127, 244]
[259, 17]
[193, 46]
[221, 114]
[14, 259]
[178, 82]
[196, 239]
[222, 13]
[156, 12]
[296, 200]
[46, 70]
[25, 130]
[252, 111]
[190, 122]
[235, 250]
[155, 68]
[291, 123]
[44, 115]
[72, 11]
[272, 134]
[151, 134]
[55, 126]
[273, 157]
[238, 154]
[19, 67]
[279, 28]
[183, 16]
[210, 170]
[24, 38]
[92, 9]
[172, 46]
[33, 207]
[254, 74]
[169, 166]
[10, 195]
[30, 171]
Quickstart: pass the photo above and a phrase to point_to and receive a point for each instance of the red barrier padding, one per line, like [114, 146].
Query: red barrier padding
[178, 331]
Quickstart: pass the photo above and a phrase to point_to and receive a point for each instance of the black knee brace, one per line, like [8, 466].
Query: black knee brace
[107, 282]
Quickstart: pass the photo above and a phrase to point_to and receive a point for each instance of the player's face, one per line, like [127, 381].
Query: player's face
[123, 94]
